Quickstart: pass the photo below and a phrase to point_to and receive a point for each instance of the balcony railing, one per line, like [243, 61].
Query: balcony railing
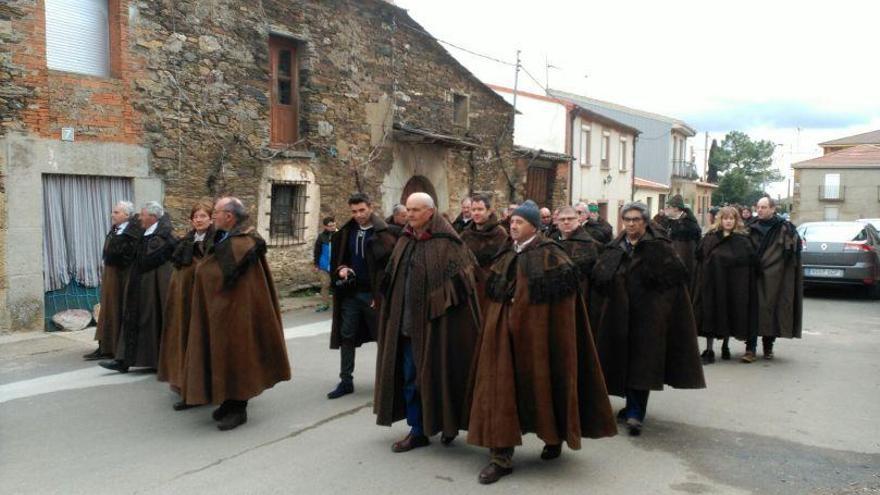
[831, 193]
[685, 169]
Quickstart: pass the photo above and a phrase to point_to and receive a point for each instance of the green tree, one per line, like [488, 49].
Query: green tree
[743, 167]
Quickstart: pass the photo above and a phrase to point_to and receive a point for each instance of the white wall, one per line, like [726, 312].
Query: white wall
[590, 180]
[540, 124]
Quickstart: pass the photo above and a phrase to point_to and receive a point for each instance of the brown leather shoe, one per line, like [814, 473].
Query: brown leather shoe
[749, 357]
[492, 473]
[551, 452]
[410, 442]
[447, 440]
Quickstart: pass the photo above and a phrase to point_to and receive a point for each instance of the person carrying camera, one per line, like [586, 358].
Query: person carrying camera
[359, 252]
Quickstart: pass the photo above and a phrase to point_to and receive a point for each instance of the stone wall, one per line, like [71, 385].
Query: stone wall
[190, 85]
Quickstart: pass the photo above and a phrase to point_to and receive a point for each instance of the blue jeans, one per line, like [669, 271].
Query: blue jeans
[411, 390]
[636, 403]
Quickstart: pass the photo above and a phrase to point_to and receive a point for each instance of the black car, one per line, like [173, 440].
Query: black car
[841, 253]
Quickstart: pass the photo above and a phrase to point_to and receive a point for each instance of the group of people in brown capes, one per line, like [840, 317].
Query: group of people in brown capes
[494, 326]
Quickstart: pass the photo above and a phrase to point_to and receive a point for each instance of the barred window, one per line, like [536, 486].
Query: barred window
[287, 217]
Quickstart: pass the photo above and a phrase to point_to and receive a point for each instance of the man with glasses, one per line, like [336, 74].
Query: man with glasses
[647, 335]
[583, 251]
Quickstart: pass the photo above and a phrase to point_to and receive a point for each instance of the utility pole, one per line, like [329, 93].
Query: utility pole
[706, 156]
[515, 87]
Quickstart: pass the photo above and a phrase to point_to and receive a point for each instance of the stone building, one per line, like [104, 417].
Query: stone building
[290, 105]
[840, 185]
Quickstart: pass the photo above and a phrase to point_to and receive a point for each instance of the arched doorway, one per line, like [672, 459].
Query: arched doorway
[418, 183]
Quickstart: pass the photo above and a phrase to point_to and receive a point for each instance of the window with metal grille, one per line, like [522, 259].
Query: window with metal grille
[287, 217]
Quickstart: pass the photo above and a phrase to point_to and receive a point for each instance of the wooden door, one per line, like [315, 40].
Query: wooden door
[419, 183]
[285, 97]
[539, 186]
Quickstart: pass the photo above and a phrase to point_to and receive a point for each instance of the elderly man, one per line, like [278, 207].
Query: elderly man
[236, 347]
[505, 216]
[537, 370]
[546, 221]
[398, 217]
[597, 226]
[485, 238]
[360, 251]
[120, 248]
[464, 218]
[145, 293]
[680, 225]
[780, 279]
[427, 330]
[583, 251]
[647, 335]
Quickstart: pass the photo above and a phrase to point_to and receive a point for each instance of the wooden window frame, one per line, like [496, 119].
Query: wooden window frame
[276, 45]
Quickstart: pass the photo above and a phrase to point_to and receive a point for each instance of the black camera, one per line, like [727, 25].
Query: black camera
[348, 282]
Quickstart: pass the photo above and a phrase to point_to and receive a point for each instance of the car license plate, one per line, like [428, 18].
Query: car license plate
[823, 272]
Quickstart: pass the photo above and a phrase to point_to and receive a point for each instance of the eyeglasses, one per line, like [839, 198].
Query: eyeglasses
[632, 219]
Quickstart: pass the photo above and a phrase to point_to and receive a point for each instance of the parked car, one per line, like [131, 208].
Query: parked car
[841, 253]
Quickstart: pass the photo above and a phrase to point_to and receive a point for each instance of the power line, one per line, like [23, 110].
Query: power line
[453, 45]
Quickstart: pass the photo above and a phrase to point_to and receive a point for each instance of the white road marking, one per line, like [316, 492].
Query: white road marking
[96, 376]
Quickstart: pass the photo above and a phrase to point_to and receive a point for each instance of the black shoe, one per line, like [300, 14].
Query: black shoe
[708, 356]
[410, 442]
[725, 353]
[94, 356]
[115, 365]
[447, 440]
[232, 419]
[221, 411]
[551, 452]
[344, 388]
[182, 406]
[634, 426]
[492, 473]
[621, 416]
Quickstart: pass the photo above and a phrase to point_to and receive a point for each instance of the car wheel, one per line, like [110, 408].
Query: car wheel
[873, 291]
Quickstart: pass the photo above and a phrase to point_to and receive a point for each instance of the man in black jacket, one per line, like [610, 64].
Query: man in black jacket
[359, 252]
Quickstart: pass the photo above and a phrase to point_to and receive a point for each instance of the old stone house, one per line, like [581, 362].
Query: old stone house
[289, 105]
[840, 185]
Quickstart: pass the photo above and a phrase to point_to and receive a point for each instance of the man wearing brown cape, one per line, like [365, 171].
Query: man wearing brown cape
[647, 336]
[780, 298]
[583, 250]
[427, 329]
[120, 249]
[537, 369]
[680, 226]
[145, 294]
[236, 347]
[485, 237]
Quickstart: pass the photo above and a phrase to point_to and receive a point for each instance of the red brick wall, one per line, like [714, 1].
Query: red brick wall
[99, 109]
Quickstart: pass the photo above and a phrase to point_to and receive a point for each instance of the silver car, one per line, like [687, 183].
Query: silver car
[841, 253]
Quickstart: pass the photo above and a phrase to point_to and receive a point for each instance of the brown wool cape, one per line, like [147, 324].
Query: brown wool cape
[537, 370]
[443, 301]
[647, 336]
[780, 279]
[146, 292]
[583, 250]
[685, 234]
[236, 347]
[725, 286]
[485, 243]
[378, 250]
[186, 257]
[119, 253]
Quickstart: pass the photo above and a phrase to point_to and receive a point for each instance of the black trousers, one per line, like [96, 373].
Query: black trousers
[354, 309]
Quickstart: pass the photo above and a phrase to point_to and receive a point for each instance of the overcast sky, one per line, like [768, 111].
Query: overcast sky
[763, 67]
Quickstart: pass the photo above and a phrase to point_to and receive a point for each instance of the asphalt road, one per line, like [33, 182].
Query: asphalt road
[804, 423]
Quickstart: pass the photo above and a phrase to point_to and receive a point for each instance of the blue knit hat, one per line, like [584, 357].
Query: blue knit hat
[529, 212]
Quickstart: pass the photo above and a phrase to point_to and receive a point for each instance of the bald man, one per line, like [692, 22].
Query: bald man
[427, 329]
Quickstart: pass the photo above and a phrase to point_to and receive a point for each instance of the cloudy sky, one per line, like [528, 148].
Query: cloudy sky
[793, 72]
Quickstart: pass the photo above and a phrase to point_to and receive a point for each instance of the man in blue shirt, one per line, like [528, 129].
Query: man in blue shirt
[322, 261]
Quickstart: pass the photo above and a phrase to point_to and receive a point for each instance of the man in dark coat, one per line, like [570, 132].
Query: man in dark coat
[397, 220]
[120, 248]
[145, 293]
[360, 251]
[647, 336]
[235, 347]
[537, 368]
[485, 238]
[780, 295]
[583, 251]
[464, 218]
[427, 329]
[596, 226]
[680, 226]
